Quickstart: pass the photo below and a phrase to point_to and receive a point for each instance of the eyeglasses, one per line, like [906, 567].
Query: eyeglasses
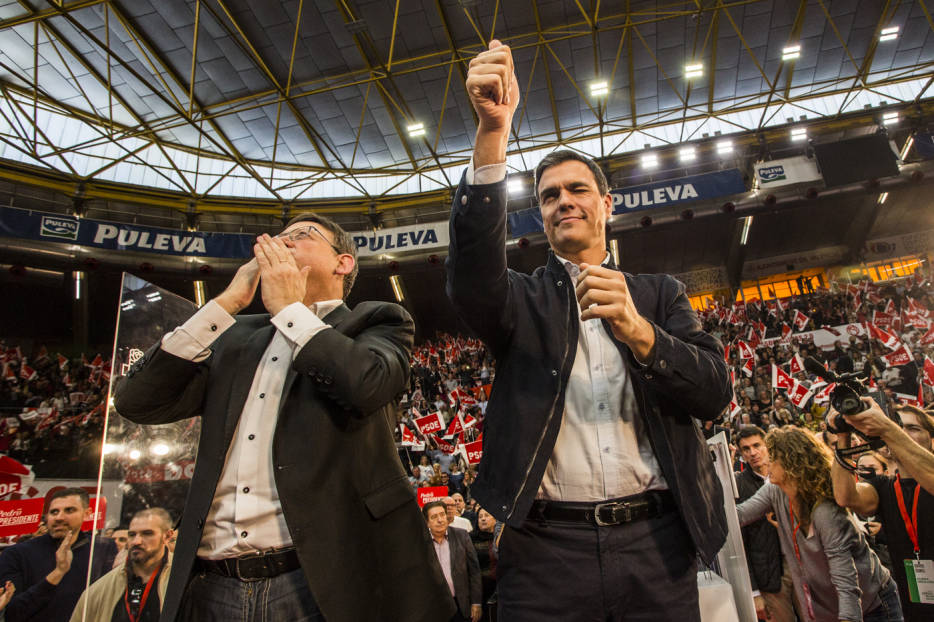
[304, 233]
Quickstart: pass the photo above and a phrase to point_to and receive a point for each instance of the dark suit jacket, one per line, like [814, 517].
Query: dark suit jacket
[531, 323]
[763, 548]
[465, 571]
[350, 510]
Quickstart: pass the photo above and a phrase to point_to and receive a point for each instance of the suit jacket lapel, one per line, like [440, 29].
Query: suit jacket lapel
[249, 360]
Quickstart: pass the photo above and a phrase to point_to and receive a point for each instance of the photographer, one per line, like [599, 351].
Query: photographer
[905, 508]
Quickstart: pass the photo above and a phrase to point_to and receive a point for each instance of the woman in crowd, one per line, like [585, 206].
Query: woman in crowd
[836, 575]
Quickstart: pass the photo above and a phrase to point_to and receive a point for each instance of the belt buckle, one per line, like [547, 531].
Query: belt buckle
[245, 558]
[614, 507]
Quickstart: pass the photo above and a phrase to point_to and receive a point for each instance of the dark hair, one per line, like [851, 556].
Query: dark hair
[158, 513]
[925, 420]
[749, 430]
[565, 155]
[430, 506]
[343, 241]
[72, 492]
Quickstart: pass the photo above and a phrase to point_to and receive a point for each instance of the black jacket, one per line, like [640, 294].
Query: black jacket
[350, 510]
[530, 323]
[763, 548]
[465, 571]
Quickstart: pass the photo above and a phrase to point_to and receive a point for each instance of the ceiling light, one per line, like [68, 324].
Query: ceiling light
[890, 118]
[416, 129]
[160, 449]
[599, 89]
[882, 198]
[687, 154]
[694, 70]
[791, 52]
[889, 33]
[650, 160]
[745, 235]
[799, 133]
[396, 283]
[906, 148]
[110, 448]
[515, 185]
[724, 147]
[135, 454]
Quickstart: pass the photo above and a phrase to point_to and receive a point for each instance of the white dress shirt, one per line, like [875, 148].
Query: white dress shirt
[602, 450]
[246, 515]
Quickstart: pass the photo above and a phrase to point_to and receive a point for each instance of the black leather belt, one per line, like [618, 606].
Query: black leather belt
[256, 566]
[649, 504]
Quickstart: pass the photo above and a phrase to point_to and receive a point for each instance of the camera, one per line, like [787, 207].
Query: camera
[845, 397]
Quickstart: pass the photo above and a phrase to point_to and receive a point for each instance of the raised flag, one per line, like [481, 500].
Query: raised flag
[97, 362]
[801, 320]
[880, 318]
[726, 353]
[786, 331]
[745, 351]
[796, 364]
[456, 426]
[799, 394]
[8, 373]
[474, 452]
[889, 340]
[899, 357]
[890, 307]
[749, 366]
[408, 437]
[444, 446]
[927, 372]
[927, 338]
[62, 362]
[430, 423]
[780, 380]
[27, 373]
[824, 394]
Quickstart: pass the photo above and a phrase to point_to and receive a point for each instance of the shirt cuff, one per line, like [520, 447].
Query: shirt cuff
[488, 174]
[298, 324]
[192, 340]
[756, 593]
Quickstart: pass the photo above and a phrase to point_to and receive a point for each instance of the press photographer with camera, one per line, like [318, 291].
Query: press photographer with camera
[904, 502]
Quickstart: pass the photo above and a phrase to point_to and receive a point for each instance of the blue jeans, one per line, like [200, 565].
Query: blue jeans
[891, 608]
[210, 597]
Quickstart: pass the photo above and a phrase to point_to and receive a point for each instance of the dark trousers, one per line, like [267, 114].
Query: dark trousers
[574, 572]
[211, 597]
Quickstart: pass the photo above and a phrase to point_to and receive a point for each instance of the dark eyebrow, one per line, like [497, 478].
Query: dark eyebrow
[553, 190]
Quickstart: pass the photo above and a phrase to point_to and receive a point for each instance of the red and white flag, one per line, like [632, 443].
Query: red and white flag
[799, 394]
[8, 373]
[27, 373]
[889, 340]
[927, 372]
[745, 351]
[786, 331]
[780, 380]
[62, 362]
[97, 363]
[430, 423]
[824, 394]
[473, 451]
[801, 320]
[735, 408]
[444, 446]
[408, 436]
[796, 364]
[749, 367]
[899, 357]
[927, 338]
[880, 318]
[890, 307]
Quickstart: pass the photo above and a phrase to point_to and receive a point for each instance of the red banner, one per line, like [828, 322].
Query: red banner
[474, 452]
[431, 422]
[431, 493]
[99, 510]
[20, 517]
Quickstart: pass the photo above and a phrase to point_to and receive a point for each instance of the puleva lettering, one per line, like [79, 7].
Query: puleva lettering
[656, 196]
[132, 239]
[402, 239]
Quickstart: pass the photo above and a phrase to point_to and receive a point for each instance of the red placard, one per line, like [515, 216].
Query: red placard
[431, 422]
[431, 493]
[98, 506]
[20, 517]
[474, 452]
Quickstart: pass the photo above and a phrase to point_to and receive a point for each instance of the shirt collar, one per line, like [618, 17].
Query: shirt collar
[573, 269]
[323, 307]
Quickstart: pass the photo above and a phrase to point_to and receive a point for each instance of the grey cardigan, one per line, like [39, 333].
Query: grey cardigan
[843, 574]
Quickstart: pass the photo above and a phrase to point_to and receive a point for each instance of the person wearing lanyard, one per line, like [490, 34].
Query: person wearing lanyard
[133, 591]
[836, 575]
[904, 503]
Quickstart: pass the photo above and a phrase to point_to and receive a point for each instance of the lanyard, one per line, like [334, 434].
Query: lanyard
[911, 524]
[794, 533]
[142, 602]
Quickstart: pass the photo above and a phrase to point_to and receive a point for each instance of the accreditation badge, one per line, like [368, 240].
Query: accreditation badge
[920, 573]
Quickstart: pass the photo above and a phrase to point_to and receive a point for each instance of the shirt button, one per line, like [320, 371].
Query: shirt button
[246, 489]
[275, 358]
[251, 437]
[243, 534]
[560, 283]
[662, 364]
[289, 324]
[262, 395]
[554, 372]
[602, 406]
[486, 199]
[213, 327]
[464, 199]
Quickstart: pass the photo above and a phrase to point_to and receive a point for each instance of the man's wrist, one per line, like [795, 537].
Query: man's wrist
[228, 304]
[55, 577]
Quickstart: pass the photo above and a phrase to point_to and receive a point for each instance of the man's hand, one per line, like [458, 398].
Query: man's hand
[6, 593]
[762, 611]
[282, 282]
[494, 94]
[602, 293]
[476, 612]
[872, 421]
[239, 294]
[63, 558]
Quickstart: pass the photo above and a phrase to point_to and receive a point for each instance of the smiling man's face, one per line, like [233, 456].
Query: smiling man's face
[574, 212]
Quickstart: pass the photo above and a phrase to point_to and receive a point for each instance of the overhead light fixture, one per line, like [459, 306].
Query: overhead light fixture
[599, 89]
[153, 296]
[687, 154]
[882, 198]
[110, 448]
[890, 118]
[396, 283]
[889, 33]
[745, 235]
[416, 129]
[79, 281]
[515, 185]
[799, 133]
[791, 52]
[135, 454]
[650, 160]
[160, 449]
[128, 305]
[724, 147]
[906, 148]
[694, 70]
